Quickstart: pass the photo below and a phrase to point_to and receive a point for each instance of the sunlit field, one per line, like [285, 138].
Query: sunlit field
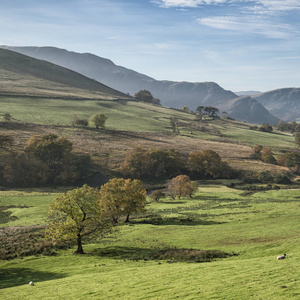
[253, 228]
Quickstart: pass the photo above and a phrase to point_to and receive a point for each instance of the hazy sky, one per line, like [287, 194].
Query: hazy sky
[239, 44]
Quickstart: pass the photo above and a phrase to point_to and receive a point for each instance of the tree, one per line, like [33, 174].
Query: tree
[257, 148]
[81, 123]
[122, 197]
[185, 108]
[77, 214]
[282, 126]
[64, 167]
[199, 112]
[141, 163]
[297, 138]
[146, 96]
[157, 195]
[98, 120]
[174, 125]
[25, 170]
[267, 151]
[211, 111]
[49, 148]
[208, 163]
[135, 200]
[266, 128]
[181, 186]
[289, 159]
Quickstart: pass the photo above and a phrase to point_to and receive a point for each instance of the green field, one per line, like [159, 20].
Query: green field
[257, 227]
[122, 114]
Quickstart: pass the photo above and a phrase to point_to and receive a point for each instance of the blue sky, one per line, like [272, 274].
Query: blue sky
[239, 44]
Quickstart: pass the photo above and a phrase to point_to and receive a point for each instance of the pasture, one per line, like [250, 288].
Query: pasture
[253, 227]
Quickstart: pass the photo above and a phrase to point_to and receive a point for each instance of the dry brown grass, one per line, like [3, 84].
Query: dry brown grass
[108, 148]
[24, 241]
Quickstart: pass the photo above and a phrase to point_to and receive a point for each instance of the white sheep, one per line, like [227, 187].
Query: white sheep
[31, 283]
[281, 256]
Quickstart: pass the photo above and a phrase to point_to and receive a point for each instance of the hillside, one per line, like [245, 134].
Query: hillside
[42, 106]
[282, 103]
[172, 94]
[24, 75]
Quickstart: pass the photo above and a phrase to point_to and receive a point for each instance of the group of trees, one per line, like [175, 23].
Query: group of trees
[141, 163]
[265, 127]
[97, 119]
[290, 160]
[46, 159]
[209, 111]
[293, 126]
[157, 163]
[87, 212]
[264, 153]
[146, 96]
[287, 159]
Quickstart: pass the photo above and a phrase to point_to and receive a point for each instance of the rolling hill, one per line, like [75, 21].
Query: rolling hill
[42, 98]
[172, 94]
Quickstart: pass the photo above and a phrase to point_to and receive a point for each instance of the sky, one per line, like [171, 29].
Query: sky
[241, 45]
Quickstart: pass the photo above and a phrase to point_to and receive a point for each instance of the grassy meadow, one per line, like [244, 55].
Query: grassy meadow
[255, 227]
[161, 254]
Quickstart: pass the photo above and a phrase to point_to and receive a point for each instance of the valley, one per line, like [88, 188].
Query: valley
[166, 251]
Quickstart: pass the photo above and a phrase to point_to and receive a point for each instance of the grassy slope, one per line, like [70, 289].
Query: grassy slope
[132, 123]
[46, 97]
[21, 73]
[258, 227]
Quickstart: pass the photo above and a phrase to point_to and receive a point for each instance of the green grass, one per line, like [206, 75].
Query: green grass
[258, 227]
[242, 133]
[26, 208]
[122, 114]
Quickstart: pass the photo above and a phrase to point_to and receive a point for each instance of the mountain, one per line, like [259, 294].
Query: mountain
[24, 74]
[247, 93]
[256, 112]
[282, 103]
[172, 94]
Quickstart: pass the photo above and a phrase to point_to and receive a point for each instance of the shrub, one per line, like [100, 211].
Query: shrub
[98, 120]
[265, 177]
[81, 123]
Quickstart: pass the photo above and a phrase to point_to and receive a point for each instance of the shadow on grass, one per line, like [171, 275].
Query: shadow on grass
[6, 216]
[169, 255]
[19, 276]
[184, 220]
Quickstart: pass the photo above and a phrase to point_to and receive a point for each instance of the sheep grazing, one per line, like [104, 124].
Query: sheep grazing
[281, 256]
[31, 283]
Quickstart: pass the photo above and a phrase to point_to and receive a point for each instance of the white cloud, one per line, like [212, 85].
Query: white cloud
[250, 24]
[188, 3]
[257, 6]
[274, 7]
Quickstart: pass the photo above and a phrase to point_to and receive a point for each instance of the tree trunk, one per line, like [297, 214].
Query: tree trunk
[127, 219]
[79, 245]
